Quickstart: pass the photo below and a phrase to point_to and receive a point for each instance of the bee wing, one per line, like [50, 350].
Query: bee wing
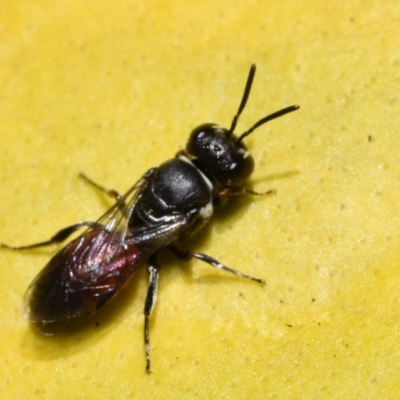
[91, 269]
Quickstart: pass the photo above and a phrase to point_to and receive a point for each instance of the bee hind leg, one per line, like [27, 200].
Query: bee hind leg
[151, 298]
[59, 237]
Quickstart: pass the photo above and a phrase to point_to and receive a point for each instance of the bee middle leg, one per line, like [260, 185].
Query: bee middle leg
[109, 192]
[189, 255]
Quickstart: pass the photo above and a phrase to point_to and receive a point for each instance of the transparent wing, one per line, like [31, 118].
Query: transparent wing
[91, 269]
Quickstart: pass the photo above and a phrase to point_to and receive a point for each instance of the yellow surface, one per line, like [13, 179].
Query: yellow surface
[113, 88]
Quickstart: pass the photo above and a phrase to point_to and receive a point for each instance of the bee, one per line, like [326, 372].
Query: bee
[168, 203]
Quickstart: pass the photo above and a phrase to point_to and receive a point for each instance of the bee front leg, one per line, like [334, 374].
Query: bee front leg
[151, 298]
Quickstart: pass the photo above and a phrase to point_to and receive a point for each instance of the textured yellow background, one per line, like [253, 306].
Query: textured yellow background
[113, 88]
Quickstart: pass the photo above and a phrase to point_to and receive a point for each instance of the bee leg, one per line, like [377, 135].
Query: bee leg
[151, 299]
[120, 199]
[235, 191]
[59, 237]
[189, 255]
[108, 192]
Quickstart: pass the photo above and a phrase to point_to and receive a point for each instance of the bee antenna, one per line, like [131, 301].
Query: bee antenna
[244, 98]
[264, 120]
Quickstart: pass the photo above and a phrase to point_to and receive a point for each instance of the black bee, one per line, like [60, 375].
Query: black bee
[166, 205]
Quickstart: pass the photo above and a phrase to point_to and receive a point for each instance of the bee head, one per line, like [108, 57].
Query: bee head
[222, 154]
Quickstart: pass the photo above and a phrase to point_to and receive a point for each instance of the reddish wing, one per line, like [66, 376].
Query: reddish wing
[91, 269]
